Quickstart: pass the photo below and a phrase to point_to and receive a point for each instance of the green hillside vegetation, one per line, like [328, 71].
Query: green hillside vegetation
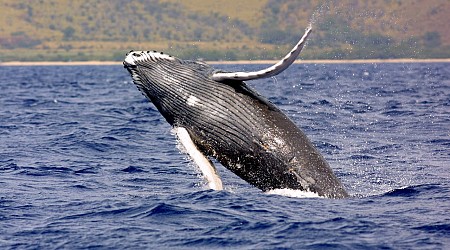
[78, 30]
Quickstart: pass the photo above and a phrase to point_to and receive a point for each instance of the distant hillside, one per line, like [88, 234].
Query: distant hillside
[104, 30]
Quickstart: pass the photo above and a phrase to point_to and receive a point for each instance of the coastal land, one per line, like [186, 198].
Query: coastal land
[78, 32]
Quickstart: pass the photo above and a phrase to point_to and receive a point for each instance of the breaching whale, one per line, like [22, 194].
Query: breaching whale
[215, 114]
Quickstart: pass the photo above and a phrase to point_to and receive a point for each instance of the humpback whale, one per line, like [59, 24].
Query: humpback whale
[216, 114]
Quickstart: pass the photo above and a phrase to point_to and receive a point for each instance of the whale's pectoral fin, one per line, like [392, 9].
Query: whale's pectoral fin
[205, 165]
[268, 72]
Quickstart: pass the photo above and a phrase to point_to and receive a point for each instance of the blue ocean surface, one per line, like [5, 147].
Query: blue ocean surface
[87, 162]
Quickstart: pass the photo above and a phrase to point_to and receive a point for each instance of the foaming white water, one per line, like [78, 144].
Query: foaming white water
[294, 193]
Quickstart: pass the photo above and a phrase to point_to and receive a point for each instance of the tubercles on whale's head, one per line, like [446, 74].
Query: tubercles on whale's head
[145, 56]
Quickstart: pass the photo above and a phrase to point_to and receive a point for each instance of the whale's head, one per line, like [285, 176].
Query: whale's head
[156, 72]
[168, 81]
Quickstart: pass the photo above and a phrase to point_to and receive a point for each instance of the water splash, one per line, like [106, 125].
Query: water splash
[294, 193]
[318, 13]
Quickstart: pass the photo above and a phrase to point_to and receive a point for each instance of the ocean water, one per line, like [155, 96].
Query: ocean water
[87, 162]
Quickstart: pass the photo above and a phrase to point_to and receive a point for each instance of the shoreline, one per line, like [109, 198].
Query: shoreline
[355, 61]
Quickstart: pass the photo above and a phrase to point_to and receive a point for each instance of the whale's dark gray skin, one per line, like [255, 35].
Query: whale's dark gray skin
[231, 122]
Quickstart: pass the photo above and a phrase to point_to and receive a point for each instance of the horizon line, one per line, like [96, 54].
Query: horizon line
[298, 61]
